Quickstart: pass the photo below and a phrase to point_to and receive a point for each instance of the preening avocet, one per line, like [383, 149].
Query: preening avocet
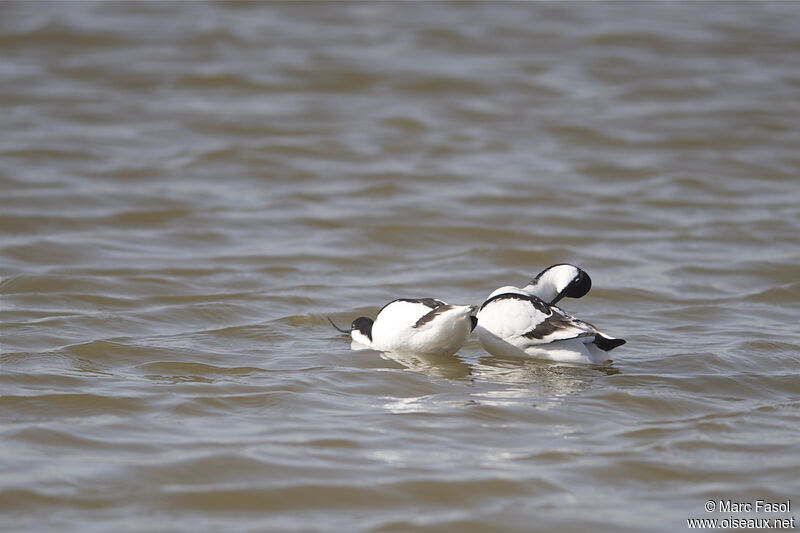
[516, 322]
[554, 283]
[414, 326]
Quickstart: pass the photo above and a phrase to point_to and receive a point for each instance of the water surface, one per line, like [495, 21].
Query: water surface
[189, 189]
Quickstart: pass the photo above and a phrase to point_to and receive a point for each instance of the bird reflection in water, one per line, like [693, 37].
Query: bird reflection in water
[436, 366]
[544, 384]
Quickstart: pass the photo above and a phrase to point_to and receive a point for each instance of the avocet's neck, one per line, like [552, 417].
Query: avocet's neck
[552, 282]
[545, 291]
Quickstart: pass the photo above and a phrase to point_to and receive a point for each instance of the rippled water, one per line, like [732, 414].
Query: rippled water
[189, 189]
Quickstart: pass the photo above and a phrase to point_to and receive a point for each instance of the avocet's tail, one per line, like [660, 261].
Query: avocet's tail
[607, 343]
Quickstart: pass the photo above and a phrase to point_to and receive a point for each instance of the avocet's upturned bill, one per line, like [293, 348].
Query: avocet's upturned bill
[524, 322]
[414, 326]
[554, 283]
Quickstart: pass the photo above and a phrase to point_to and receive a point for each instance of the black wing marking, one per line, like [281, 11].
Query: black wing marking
[432, 314]
[433, 303]
[538, 303]
[564, 322]
[557, 319]
[549, 326]
[474, 321]
[607, 344]
[559, 325]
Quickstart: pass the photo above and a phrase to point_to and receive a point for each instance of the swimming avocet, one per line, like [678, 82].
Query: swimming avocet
[516, 322]
[414, 326]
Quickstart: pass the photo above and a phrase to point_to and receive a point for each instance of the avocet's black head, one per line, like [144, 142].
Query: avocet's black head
[557, 281]
[362, 325]
[360, 330]
[578, 287]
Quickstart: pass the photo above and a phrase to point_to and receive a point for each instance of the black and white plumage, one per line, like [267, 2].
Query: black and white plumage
[414, 326]
[516, 322]
[554, 283]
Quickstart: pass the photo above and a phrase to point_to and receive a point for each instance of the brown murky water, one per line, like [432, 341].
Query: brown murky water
[189, 188]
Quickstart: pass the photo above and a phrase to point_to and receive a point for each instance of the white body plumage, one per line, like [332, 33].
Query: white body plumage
[524, 322]
[415, 326]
